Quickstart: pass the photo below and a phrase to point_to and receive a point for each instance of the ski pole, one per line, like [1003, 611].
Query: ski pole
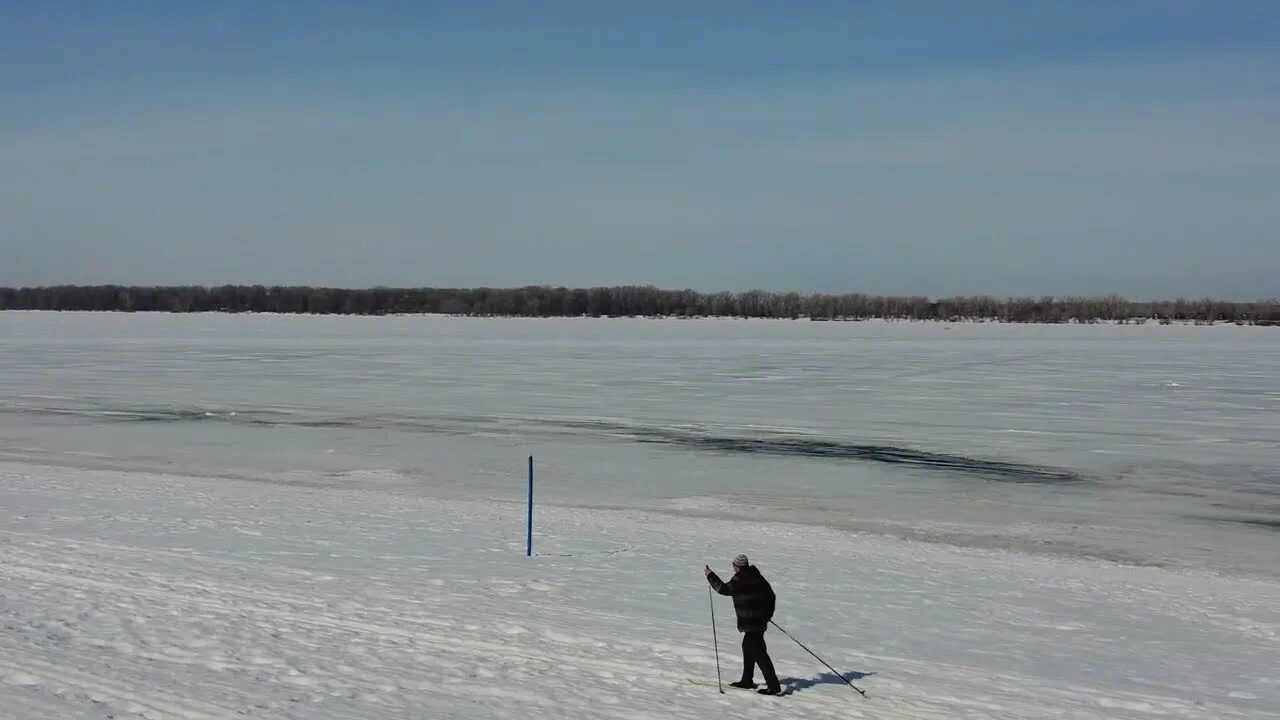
[714, 639]
[824, 662]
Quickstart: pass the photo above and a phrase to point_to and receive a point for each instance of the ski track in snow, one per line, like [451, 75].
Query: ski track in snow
[127, 595]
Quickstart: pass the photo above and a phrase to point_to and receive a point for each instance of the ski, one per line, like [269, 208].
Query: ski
[707, 683]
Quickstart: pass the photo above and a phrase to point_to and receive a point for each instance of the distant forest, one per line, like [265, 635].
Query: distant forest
[627, 301]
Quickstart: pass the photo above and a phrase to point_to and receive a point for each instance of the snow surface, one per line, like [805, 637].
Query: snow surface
[128, 594]
[1176, 476]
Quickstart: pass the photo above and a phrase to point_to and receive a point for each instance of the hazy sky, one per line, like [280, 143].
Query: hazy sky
[1016, 147]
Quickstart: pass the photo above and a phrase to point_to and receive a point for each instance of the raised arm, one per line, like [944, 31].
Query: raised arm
[724, 588]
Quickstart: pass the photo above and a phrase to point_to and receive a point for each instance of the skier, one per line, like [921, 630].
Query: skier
[753, 602]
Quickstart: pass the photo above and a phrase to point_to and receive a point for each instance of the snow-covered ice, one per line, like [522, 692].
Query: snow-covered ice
[165, 596]
[223, 516]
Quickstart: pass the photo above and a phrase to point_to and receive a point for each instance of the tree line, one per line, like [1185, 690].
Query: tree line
[626, 301]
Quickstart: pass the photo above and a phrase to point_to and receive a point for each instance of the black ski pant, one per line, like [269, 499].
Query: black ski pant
[755, 653]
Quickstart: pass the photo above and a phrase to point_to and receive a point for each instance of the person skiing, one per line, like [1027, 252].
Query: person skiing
[753, 603]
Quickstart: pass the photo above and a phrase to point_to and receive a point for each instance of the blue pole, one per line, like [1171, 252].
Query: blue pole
[529, 541]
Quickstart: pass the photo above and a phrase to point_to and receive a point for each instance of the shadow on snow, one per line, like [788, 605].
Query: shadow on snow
[827, 678]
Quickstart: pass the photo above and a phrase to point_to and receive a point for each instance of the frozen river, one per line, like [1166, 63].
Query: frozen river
[1152, 445]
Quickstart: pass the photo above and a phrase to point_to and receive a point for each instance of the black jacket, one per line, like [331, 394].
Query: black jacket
[753, 598]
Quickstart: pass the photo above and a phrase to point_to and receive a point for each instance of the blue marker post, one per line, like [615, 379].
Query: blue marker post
[529, 542]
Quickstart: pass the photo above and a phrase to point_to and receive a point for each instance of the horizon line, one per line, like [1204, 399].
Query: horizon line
[1110, 297]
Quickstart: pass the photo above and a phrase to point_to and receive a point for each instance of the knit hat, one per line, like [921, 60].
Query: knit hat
[742, 561]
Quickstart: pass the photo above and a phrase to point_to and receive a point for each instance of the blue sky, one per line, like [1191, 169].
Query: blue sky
[897, 147]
